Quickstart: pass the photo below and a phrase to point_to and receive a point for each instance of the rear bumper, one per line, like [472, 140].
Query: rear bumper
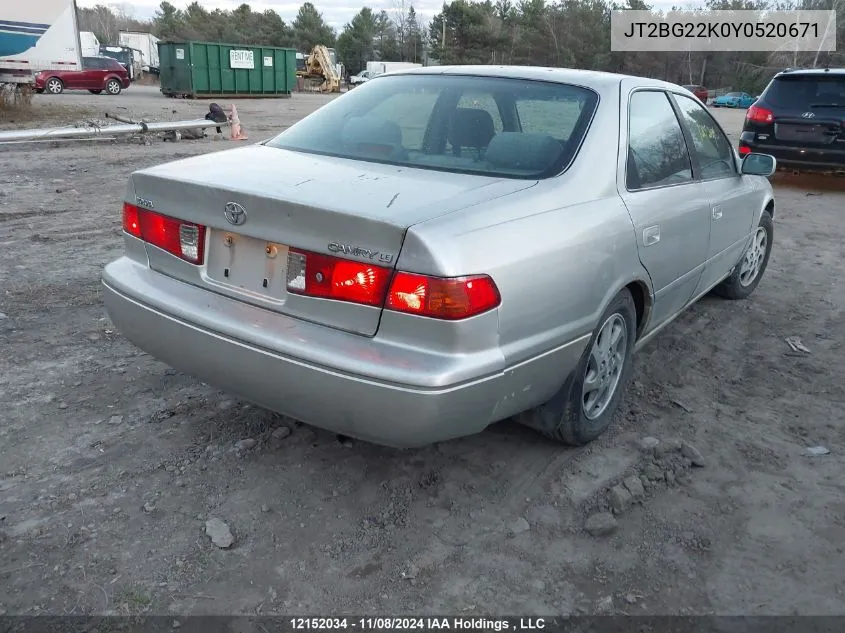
[148, 309]
[801, 157]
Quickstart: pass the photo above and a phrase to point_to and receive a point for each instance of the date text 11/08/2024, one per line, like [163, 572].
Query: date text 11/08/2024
[418, 624]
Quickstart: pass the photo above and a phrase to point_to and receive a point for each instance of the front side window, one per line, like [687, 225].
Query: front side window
[657, 151]
[712, 148]
[483, 125]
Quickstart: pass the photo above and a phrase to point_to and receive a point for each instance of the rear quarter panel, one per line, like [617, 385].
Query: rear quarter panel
[558, 252]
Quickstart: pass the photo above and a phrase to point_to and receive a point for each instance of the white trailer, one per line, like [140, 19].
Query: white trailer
[37, 35]
[379, 68]
[147, 43]
[90, 45]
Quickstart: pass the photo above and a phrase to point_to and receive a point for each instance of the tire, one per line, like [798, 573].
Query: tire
[95, 92]
[54, 86]
[740, 284]
[113, 87]
[565, 417]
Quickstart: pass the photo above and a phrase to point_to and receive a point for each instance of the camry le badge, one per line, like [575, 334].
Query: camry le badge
[234, 213]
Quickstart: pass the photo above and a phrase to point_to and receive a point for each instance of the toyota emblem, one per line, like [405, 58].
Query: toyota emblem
[808, 115]
[234, 213]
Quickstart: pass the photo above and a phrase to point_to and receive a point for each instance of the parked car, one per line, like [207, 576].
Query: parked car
[442, 249]
[734, 100]
[799, 119]
[98, 74]
[360, 78]
[699, 91]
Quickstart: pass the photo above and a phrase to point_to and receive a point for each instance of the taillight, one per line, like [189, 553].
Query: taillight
[759, 114]
[328, 277]
[442, 298]
[131, 223]
[185, 240]
[744, 149]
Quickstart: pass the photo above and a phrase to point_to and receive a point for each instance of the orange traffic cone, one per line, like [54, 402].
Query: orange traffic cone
[238, 133]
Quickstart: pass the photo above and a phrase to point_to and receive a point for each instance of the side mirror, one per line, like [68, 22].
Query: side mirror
[759, 164]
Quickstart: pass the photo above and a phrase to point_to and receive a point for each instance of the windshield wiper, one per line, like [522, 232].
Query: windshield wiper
[827, 105]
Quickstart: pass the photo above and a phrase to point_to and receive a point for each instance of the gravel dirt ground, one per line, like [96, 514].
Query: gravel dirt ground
[111, 463]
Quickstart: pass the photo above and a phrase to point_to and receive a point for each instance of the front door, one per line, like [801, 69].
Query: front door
[731, 195]
[670, 210]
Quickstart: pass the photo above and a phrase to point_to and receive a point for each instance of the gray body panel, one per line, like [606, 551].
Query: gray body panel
[558, 249]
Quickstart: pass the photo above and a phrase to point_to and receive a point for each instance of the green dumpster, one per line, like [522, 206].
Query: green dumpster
[212, 69]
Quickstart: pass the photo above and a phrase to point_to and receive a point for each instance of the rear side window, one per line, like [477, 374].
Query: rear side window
[802, 92]
[657, 151]
[481, 125]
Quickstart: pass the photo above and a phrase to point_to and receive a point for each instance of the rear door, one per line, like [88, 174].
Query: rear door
[670, 210]
[731, 196]
[85, 79]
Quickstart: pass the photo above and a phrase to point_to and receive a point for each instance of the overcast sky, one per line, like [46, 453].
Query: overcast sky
[336, 12]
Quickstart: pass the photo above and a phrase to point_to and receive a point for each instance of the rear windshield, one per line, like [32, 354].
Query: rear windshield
[490, 126]
[800, 92]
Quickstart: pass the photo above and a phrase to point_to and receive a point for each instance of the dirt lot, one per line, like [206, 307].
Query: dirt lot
[111, 463]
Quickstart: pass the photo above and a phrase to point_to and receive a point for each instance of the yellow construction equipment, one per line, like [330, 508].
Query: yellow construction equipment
[320, 71]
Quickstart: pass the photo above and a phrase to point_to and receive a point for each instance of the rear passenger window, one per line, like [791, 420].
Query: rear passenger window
[657, 152]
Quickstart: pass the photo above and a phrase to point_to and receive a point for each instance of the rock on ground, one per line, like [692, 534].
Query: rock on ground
[219, 533]
[601, 524]
[519, 525]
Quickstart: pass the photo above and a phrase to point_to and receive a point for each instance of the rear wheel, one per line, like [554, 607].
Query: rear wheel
[95, 92]
[113, 87]
[583, 408]
[54, 86]
[748, 272]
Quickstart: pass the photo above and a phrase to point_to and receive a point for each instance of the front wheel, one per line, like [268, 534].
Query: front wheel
[113, 87]
[54, 86]
[583, 408]
[746, 275]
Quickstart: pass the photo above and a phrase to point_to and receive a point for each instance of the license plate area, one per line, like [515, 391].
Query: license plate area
[817, 133]
[248, 265]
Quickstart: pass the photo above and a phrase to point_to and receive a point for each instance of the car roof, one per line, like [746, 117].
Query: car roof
[811, 71]
[595, 79]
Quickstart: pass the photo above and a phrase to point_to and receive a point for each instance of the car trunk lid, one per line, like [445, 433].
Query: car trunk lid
[278, 199]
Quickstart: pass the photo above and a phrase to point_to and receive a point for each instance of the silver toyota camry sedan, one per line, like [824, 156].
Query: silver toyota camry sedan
[444, 248]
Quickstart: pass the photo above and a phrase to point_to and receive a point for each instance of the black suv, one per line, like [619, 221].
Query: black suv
[800, 120]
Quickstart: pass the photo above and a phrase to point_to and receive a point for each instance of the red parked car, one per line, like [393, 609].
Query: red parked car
[98, 74]
[698, 91]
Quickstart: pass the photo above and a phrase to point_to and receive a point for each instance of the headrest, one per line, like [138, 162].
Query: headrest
[470, 127]
[529, 152]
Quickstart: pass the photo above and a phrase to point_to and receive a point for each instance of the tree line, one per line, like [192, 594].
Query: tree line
[564, 33]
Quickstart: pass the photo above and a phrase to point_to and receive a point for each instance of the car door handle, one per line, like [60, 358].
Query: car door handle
[717, 213]
[651, 235]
